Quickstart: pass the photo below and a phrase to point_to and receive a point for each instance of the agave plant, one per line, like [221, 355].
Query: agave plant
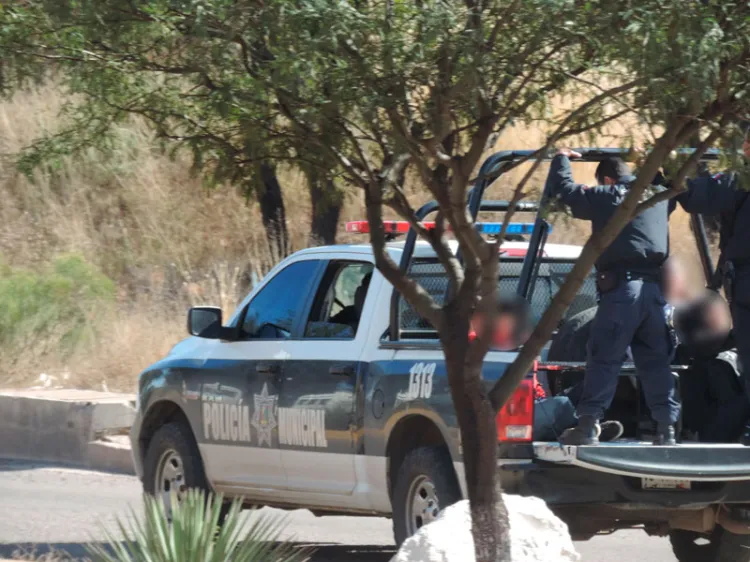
[192, 533]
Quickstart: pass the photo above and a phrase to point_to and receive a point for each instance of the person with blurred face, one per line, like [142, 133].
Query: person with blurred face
[723, 195]
[552, 414]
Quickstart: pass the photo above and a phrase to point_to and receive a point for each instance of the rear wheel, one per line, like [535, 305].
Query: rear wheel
[718, 546]
[425, 484]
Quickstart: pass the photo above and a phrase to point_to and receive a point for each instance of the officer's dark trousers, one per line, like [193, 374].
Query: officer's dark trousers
[630, 315]
[741, 319]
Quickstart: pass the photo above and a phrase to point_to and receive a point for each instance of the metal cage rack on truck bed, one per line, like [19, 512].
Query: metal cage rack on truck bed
[494, 167]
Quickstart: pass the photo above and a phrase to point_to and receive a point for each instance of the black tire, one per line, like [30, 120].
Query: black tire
[421, 466]
[177, 437]
[719, 546]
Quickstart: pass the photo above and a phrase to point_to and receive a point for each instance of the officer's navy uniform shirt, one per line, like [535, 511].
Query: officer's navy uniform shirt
[716, 195]
[643, 244]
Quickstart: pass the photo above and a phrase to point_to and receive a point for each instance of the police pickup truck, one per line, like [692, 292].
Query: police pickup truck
[326, 391]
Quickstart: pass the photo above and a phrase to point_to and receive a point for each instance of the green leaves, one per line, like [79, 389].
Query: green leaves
[56, 303]
[193, 533]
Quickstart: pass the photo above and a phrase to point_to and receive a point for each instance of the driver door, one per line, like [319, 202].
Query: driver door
[242, 383]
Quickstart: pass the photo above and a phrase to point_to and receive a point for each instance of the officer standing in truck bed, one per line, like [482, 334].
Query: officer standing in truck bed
[723, 194]
[631, 304]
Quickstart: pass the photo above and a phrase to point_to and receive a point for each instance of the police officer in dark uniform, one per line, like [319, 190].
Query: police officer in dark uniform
[722, 195]
[631, 304]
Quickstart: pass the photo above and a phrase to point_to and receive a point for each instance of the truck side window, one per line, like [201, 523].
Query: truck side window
[271, 313]
[338, 303]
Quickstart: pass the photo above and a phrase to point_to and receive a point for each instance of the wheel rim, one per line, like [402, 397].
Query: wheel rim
[422, 505]
[170, 478]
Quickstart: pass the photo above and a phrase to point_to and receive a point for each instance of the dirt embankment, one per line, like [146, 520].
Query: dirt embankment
[140, 220]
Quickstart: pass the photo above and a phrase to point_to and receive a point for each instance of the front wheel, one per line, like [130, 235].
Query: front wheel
[717, 546]
[173, 465]
[425, 484]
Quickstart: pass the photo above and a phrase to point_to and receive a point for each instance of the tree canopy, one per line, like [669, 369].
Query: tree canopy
[370, 93]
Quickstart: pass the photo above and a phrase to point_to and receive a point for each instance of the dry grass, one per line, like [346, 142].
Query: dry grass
[165, 240]
[141, 218]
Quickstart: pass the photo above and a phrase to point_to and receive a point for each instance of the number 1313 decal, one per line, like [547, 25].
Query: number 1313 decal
[420, 380]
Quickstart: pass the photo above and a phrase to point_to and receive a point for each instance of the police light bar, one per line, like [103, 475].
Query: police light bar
[402, 227]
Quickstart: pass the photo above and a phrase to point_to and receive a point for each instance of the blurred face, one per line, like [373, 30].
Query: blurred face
[504, 334]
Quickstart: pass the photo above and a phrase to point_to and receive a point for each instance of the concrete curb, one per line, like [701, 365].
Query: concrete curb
[65, 426]
[110, 456]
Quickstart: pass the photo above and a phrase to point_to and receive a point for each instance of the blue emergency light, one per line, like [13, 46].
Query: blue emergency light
[513, 228]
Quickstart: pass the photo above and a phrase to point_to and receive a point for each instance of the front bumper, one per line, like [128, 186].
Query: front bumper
[135, 445]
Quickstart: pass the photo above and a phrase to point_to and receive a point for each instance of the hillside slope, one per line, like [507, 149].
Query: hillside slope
[138, 219]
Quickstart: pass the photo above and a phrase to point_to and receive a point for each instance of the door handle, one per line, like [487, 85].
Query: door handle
[342, 370]
[267, 368]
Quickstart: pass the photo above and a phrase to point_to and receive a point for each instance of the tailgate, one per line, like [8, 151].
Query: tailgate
[694, 462]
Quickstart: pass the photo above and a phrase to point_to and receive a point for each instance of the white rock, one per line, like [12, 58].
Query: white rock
[536, 534]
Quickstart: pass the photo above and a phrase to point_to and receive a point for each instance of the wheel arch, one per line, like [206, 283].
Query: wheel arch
[158, 414]
[408, 433]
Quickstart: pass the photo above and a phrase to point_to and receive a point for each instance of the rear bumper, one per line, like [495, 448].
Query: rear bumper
[611, 474]
[569, 485]
[694, 462]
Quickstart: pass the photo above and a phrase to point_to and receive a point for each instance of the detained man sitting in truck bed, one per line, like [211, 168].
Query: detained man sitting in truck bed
[714, 405]
[552, 414]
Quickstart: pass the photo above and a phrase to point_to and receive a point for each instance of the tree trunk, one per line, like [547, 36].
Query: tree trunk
[476, 419]
[327, 201]
[273, 212]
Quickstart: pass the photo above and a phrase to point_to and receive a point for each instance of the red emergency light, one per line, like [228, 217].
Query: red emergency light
[402, 227]
[391, 227]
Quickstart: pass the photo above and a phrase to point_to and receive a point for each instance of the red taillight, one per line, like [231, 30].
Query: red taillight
[515, 421]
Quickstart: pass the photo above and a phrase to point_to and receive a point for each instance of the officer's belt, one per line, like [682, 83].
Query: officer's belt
[628, 275]
[610, 279]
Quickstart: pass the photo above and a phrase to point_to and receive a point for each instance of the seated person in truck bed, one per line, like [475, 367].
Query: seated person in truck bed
[512, 324]
[552, 414]
[714, 403]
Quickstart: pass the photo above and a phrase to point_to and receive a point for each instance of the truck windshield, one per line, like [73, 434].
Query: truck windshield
[552, 272]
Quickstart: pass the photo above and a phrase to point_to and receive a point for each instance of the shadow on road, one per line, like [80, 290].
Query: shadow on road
[60, 552]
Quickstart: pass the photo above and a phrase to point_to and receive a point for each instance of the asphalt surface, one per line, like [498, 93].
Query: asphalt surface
[44, 508]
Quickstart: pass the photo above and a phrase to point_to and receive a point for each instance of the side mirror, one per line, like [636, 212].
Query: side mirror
[205, 322]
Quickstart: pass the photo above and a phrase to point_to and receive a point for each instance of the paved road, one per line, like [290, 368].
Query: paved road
[42, 506]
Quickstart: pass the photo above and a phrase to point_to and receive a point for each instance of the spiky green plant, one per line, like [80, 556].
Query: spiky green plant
[192, 534]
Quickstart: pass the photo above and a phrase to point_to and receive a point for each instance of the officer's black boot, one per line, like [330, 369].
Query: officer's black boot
[665, 434]
[585, 433]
